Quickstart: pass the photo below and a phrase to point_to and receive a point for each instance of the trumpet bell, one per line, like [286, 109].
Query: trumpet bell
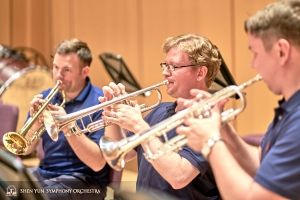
[112, 154]
[50, 126]
[15, 143]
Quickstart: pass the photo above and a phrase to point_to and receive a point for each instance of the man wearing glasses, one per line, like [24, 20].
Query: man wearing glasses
[191, 62]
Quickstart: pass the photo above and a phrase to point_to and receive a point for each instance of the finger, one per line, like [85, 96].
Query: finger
[102, 99]
[189, 121]
[108, 92]
[195, 92]
[53, 107]
[122, 88]
[110, 119]
[36, 101]
[181, 130]
[41, 119]
[115, 88]
[38, 96]
[133, 103]
[31, 111]
[222, 103]
[110, 114]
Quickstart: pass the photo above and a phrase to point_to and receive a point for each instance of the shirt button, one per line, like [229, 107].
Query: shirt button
[279, 117]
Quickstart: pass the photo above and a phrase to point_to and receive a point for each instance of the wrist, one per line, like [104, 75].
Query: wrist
[72, 131]
[210, 143]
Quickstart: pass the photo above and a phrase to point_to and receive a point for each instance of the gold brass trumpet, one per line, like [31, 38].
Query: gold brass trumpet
[54, 124]
[16, 143]
[114, 152]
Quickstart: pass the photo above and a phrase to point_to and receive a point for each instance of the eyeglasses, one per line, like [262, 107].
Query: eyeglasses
[172, 67]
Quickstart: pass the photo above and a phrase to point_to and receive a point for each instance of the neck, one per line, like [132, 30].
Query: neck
[70, 95]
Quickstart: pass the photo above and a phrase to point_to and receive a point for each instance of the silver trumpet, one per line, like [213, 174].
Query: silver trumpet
[54, 124]
[114, 152]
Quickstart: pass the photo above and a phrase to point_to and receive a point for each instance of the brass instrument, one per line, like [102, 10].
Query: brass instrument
[16, 143]
[54, 124]
[114, 152]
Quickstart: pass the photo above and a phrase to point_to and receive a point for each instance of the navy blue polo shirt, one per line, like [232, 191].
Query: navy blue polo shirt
[202, 187]
[59, 157]
[279, 170]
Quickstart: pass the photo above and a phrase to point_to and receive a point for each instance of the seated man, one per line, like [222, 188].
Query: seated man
[191, 62]
[272, 170]
[73, 164]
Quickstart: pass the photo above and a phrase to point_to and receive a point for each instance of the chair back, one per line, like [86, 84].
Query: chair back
[9, 115]
[115, 179]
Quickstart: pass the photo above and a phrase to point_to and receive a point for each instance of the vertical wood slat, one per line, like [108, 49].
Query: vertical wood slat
[136, 29]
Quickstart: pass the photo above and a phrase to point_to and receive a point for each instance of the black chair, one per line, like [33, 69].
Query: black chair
[9, 115]
[15, 181]
[253, 139]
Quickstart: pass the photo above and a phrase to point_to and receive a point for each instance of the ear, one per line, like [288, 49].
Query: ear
[85, 71]
[284, 50]
[201, 72]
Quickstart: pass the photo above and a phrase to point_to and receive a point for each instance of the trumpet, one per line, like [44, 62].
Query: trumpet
[54, 124]
[16, 143]
[114, 152]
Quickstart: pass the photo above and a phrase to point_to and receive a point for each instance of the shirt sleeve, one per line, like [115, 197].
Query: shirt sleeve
[279, 170]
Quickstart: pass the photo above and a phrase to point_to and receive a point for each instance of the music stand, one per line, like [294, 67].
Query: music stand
[223, 78]
[119, 72]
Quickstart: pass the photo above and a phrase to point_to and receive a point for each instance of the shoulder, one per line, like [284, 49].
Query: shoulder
[159, 113]
[96, 90]
[161, 108]
[46, 92]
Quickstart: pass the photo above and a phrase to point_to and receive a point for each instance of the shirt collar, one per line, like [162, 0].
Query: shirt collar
[291, 104]
[171, 109]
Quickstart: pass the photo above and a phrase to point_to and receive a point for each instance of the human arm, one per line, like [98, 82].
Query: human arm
[85, 146]
[129, 117]
[246, 155]
[35, 105]
[114, 131]
[227, 171]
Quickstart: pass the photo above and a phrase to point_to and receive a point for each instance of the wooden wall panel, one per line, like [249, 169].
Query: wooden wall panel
[172, 18]
[136, 29]
[260, 101]
[5, 22]
[114, 30]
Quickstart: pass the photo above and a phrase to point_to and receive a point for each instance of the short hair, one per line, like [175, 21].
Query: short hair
[277, 20]
[200, 52]
[75, 46]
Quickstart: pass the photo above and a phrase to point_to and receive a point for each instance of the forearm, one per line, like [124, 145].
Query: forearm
[87, 151]
[178, 176]
[228, 173]
[116, 133]
[246, 155]
[32, 133]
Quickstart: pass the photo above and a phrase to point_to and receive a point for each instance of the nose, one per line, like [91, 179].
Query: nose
[166, 72]
[57, 73]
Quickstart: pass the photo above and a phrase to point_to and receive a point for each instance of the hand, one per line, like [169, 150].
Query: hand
[35, 104]
[128, 117]
[198, 131]
[111, 91]
[198, 95]
[60, 111]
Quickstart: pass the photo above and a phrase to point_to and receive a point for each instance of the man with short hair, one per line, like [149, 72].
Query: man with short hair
[272, 172]
[71, 162]
[192, 61]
